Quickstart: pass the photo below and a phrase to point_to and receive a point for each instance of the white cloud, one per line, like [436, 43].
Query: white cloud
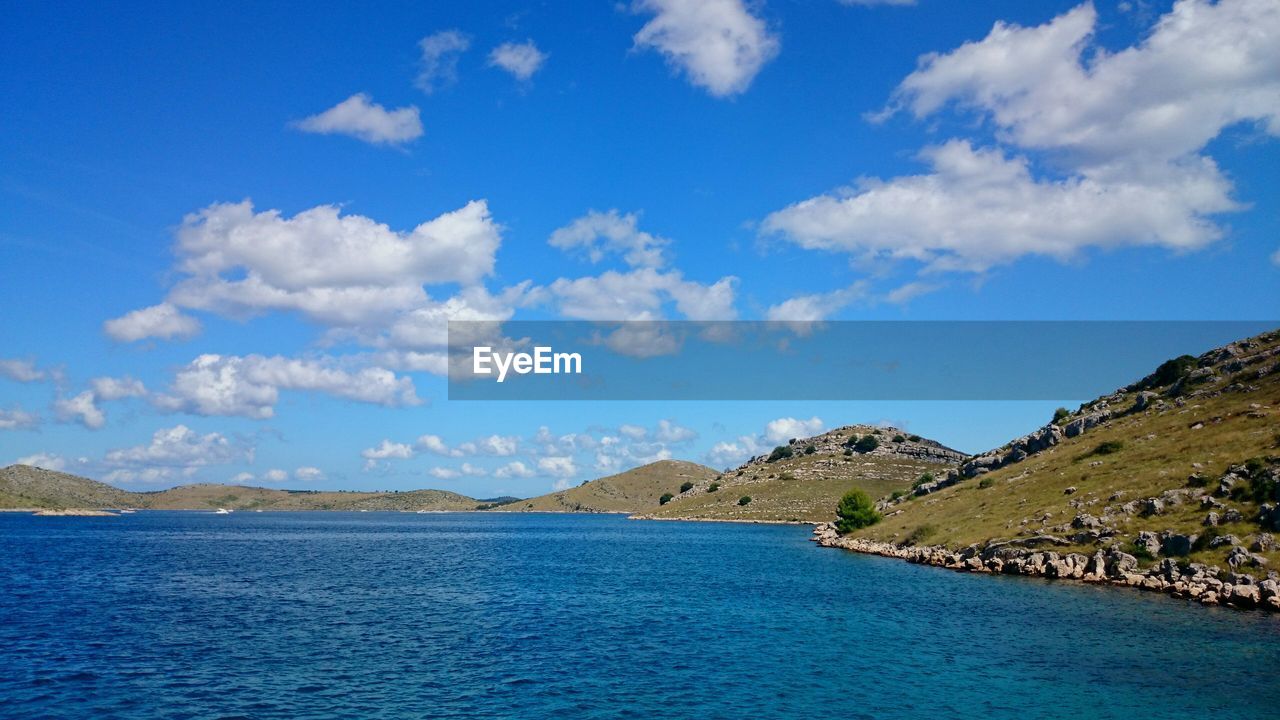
[172, 452]
[386, 450]
[110, 388]
[561, 484]
[361, 118]
[439, 65]
[242, 478]
[335, 269]
[634, 432]
[497, 445]
[728, 454]
[817, 306]
[784, 429]
[641, 295]
[158, 321]
[522, 60]
[718, 44]
[434, 444]
[443, 473]
[249, 386]
[48, 461]
[1275, 258]
[602, 233]
[24, 371]
[670, 432]
[561, 466]
[472, 470]
[17, 419]
[82, 408]
[514, 469]
[275, 475]
[1120, 133]
[308, 474]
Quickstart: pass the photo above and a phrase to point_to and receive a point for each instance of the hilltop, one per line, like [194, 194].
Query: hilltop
[26, 487]
[1170, 483]
[803, 480]
[636, 490]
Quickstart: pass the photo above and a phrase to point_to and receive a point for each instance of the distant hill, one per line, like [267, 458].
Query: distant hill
[22, 486]
[1183, 464]
[803, 480]
[633, 491]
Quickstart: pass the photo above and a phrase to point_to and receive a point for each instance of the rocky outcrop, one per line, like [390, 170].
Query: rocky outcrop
[1208, 585]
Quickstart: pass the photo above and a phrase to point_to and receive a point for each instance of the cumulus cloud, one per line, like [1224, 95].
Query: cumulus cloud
[158, 321]
[439, 64]
[718, 44]
[17, 419]
[598, 234]
[361, 118]
[111, 388]
[275, 475]
[172, 453]
[385, 451]
[514, 469]
[82, 408]
[50, 461]
[335, 269]
[561, 466]
[816, 306]
[443, 473]
[23, 371]
[250, 386]
[308, 474]
[783, 429]
[522, 60]
[1121, 134]
[642, 294]
[670, 432]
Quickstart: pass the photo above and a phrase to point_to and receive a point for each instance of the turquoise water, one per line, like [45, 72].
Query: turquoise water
[331, 615]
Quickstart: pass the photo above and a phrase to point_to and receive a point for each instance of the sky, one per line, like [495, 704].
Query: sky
[232, 236]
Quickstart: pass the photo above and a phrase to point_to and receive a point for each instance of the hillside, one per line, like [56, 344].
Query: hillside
[636, 490]
[1180, 467]
[22, 486]
[803, 480]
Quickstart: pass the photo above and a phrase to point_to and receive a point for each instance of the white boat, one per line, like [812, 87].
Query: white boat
[127, 511]
[222, 511]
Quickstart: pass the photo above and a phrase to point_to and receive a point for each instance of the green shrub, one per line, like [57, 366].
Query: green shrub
[855, 511]
[1060, 414]
[714, 487]
[744, 500]
[897, 494]
[666, 498]
[686, 487]
[914, 438]
[899, 438]
[986, 482]
[1108, 447]
[787, 476]
[781, 452]
[810, 449]
[925, 478]
[867, 444]
[1141, 552]
[1169, 372]
[848, 452]
[920, 534]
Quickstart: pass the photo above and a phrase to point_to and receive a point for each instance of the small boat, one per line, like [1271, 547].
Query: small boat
[127, 511]
[222, 511]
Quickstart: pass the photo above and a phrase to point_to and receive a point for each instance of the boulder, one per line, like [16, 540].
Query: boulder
[1148, 541]
[1177, 544]
[1224, 540]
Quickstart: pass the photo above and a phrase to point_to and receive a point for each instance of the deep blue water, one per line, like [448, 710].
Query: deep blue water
[330, 615]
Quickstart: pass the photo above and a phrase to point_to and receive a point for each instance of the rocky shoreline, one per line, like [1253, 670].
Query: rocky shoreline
[1206, 584]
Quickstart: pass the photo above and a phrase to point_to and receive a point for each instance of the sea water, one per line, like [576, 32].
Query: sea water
[471, 615]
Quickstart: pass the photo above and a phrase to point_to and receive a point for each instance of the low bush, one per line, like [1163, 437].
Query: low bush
[714, 487]
[914, 438]
[1108, 447]
[1060, 414]
[781, 452]
[855, 510]
[986, 482]
[899, 438]
[897, 494]
[867, 444]
[787, 476]
[810, 449]
[686, 487]
[925, 478]
[848, 452]
[744, 500]
[920, 534]
[666, 498]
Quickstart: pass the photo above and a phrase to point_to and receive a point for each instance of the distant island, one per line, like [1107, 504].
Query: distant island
[1170, 484]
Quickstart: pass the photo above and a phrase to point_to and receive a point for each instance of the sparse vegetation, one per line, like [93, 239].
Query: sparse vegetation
[920, 534]
[1060, 414]
[810, 449]
[666, 498]
[899, 438]
[686, 487]
[1169, 372]
[1108, 447]
[781, 452]
[914, 438]
[867, 444]
[986, 482]
[855, 511]
[714, 487]
[744, 500]
[925, 478]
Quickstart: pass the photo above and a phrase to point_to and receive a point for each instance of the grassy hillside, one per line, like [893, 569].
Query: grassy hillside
[23, 486]
[28, 487]
[633, 491]
[1183, 464]
[799, 484]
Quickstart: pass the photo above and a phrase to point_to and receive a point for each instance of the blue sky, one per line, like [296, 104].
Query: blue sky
[232, 235]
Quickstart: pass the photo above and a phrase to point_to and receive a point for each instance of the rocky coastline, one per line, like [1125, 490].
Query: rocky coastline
[1206, 584]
